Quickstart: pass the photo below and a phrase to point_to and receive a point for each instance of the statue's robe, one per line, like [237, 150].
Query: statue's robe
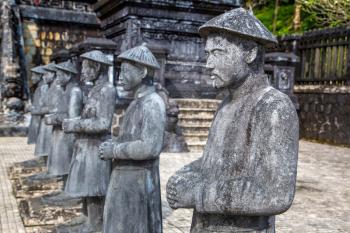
[70, 102]
[44, 140]
[248, 170]
[88, 174]
[133, 202]
[35, 119]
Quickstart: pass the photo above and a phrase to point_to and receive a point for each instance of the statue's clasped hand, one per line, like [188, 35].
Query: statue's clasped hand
[106, 150]
[180, 193]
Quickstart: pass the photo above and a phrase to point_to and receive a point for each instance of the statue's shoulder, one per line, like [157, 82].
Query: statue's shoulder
[156, 100]
[108, 87]
[273, 100]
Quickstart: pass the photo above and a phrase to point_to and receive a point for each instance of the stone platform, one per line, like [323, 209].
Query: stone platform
[322, 202]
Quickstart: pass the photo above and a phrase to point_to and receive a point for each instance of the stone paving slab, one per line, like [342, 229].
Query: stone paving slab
[322, 202]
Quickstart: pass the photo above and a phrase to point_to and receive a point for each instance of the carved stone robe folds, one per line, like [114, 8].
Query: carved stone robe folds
[70, 101]
[248, 170]
[89, 175]
[133, 202]
[35, 120]
[44, 140]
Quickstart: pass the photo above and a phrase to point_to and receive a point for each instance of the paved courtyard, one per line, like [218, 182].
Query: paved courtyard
[322, 201]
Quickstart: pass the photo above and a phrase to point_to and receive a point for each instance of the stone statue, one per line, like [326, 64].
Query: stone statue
[133, 202]
[33, 130]
[70, 105]
[43, 144]
[247, 173]
[89, 176]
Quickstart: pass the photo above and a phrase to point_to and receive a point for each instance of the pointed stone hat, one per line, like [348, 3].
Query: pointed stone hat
[38, 70]
[67, 66]
[50, 67]
[140, 54]
[242, 23]
[97, 56]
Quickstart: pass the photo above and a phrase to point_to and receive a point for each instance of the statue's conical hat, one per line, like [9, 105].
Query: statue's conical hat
[140, 54]
[50, 67]
[38, 70]
[67, 66]
[97, 56]
[242, 23]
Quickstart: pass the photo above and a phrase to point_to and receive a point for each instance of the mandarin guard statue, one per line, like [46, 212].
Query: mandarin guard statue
[62, 144]
[247, 173]
[44, 140]
[33, 130]
[133, 202]
[89, 176]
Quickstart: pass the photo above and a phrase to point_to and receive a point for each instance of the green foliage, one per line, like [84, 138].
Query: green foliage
[285, 17]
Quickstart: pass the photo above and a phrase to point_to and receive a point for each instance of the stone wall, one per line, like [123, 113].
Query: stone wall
[49, 26]
[43, 39]
[324, 113]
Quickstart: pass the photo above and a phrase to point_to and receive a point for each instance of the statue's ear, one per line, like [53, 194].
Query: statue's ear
[145, 72]
[98, 65]
[251, 55]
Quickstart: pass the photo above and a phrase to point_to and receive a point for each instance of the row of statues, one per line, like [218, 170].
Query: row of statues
[247, 173]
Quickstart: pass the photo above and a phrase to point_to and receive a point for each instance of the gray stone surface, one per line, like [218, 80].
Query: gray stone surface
[35, 120]
[88, 175]
[43, 143]
[321, 202]
[70, 97]
[133, 199]
[247, 173]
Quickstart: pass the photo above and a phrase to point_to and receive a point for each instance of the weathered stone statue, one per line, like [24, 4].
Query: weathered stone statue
[89, 176]
[247, 173]
[33, 130]
[70, 104]
[44, 140]
[133, 201]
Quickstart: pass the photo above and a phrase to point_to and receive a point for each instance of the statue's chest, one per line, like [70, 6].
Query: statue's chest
[92, 104]
[227, 139]
[133, 120]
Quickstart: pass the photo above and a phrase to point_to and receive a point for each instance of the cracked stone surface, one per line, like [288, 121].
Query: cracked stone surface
[322, 201]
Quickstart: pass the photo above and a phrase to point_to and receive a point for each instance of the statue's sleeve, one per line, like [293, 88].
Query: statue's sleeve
[40, 107]
[75, 103]
[150, 143]
[268, 186]
[104, 115]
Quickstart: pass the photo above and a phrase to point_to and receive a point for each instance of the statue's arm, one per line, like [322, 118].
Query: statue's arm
[41, 107]
[270, 186]
[75, 103]
[151, 139]
[104, 115]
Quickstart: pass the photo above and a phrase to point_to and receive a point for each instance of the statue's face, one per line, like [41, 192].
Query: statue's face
[62, 77]
[48, 77]
[225, 61]
[36, 78]
[130, 76]
[89, 70]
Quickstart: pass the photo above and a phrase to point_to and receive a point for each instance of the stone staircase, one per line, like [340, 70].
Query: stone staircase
[195, 119]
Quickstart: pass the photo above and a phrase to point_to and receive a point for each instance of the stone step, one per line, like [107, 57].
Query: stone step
[191, 138]
[189, 130]
[195, 118]
[196, 146]
[198, 103]
[196, 114]
[194, 125]
[195, 122]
